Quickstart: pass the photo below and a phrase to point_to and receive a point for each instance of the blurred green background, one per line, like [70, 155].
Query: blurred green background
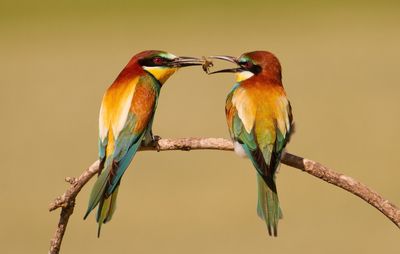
[341, 71]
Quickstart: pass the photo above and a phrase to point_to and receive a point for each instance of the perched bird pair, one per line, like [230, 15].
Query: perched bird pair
[258, 114]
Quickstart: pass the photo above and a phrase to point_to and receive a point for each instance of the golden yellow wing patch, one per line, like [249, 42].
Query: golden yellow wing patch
[245, 107]
[282, 114]
[115, 107]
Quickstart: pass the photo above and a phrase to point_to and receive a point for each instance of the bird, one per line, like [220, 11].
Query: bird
[260, 123]
[125, 121]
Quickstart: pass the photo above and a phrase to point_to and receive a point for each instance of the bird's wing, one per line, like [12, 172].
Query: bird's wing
[240, 115]
[273, 128]
[262, 128]
[125, 114]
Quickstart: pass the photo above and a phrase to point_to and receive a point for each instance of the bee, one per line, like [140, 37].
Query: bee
[207, 65]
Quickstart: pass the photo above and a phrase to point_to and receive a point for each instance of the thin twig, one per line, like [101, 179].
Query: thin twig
[67, 200]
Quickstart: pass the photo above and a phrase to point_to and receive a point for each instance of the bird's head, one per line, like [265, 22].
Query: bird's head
[253, 64]
[161, 65]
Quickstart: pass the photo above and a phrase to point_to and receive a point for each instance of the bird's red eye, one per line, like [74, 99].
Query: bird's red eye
[158, 60]
[246, 64]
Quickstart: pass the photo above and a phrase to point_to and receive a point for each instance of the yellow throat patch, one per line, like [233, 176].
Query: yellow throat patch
[161, 73]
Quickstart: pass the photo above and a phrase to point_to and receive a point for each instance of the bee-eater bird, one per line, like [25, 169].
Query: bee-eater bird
[260, 123]
[126, 117]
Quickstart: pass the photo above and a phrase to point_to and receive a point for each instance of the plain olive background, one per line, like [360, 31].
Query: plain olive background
[341, 72]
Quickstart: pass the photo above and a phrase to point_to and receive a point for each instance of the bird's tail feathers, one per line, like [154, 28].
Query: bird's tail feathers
[268, 207]
[98, 190]
[105, 190]
[99, 196]
[106, 209]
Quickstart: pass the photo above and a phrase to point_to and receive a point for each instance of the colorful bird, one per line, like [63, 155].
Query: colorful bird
[260, 123]
[126, 117]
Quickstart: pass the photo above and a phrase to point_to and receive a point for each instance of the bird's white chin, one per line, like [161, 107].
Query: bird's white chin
[239, 150]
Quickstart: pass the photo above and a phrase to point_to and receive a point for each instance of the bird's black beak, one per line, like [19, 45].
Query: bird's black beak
[228, 59]
[184, 61]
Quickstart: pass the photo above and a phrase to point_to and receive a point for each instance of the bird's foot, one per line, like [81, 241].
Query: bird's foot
[156, 145]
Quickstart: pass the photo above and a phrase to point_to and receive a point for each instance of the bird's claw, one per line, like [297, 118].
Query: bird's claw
[156, 145]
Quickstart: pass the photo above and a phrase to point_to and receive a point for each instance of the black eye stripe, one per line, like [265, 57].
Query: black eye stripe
[250, 66]
[154, 61]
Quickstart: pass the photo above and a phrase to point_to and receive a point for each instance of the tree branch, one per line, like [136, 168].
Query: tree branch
[67, 200]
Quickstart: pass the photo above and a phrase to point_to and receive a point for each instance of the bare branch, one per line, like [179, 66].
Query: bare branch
[67, 200]
[345, 182]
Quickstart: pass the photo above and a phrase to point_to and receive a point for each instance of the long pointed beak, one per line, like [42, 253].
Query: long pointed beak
[227, 70]
[184, 61]
[228, 59]
[225, 58]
